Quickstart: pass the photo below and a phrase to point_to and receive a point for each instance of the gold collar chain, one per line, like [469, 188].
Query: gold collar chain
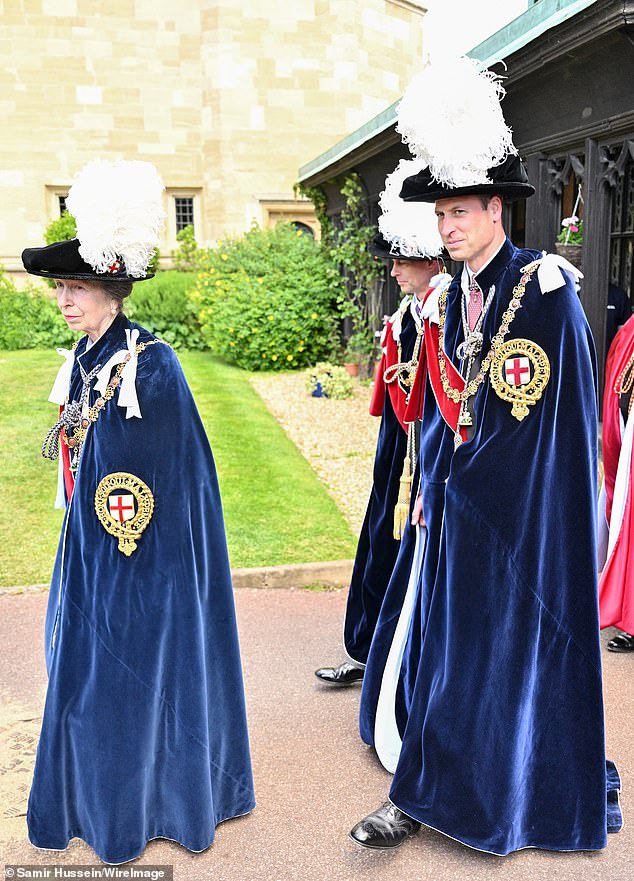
[507, 317]
[79, 435]
[405, 371]
[625, 382]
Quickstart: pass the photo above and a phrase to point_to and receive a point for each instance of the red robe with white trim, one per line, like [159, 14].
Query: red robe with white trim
[410, 409]
[616, 584]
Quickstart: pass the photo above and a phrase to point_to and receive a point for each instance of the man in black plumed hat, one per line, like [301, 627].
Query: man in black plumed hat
[379, 542]
[414, 249]
[501, 733]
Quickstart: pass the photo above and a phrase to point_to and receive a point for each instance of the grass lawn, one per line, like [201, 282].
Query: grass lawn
[276, 510]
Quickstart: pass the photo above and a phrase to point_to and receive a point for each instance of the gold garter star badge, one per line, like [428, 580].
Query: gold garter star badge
[520, 372]
[124, 506]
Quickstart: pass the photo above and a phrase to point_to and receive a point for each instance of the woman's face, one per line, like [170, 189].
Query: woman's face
[85, 306]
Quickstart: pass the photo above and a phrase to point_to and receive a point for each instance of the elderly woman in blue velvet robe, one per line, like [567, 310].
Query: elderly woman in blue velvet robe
[144, 730]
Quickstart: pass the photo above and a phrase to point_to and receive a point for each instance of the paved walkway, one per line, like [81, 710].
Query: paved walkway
[314, 778]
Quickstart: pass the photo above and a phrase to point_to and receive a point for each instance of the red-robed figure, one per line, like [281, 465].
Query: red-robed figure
[616, 585]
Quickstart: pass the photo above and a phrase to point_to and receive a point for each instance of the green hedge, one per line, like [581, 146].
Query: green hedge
[269, 300]
[30, 318]
[164, 306]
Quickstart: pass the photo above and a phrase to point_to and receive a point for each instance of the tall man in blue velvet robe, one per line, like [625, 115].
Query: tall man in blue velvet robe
[503, 740]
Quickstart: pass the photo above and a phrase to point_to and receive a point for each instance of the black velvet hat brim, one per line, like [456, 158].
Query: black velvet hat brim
[63, 260]
[508, 180]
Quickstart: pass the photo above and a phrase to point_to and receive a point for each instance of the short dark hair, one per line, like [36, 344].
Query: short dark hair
[485, 198]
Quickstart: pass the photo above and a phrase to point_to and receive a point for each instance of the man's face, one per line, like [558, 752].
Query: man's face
[413, 276]
[469, 231]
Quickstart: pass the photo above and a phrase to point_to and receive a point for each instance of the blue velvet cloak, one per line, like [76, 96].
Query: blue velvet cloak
[500, 701]
[379, 682]
[377, 548]
[144, 731]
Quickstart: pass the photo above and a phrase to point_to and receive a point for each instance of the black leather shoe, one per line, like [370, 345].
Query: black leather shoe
[387, 827]
[622, 642]
[344, 674]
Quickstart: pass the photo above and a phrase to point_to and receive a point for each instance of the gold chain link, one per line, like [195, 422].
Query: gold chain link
[79, 435]
[507, 317]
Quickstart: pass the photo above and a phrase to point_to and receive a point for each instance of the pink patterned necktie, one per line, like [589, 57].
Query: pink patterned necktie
[475, 303]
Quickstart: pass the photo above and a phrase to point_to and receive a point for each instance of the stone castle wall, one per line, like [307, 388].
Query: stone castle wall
[227, 99]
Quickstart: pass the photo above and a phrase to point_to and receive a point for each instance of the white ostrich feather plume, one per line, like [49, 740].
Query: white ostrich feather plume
[119, 212]
[410, 227]
[451, 119]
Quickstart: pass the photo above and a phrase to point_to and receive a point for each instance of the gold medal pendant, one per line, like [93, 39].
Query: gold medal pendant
[124, 506]
[520, 372]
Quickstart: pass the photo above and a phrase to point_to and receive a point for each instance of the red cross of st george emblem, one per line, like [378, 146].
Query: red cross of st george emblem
[517, 371]
[124, 505]
[120, 505]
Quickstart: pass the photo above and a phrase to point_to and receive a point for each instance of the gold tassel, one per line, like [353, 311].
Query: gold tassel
[401, 511]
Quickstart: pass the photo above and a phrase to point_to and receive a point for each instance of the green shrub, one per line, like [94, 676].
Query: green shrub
[347, 246]
[188, 256]
[30, 318]
[153, 266]
[61, 229]
[163, 306]
[269, 300]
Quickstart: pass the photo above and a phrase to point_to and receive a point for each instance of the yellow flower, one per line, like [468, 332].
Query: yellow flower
[273, 357]
[270, 317]
[289, 357]
[301, 349]
[260, 280]
[264, 354]
[313, 315]
[301, 342]
[224, 256]
[231, 343]
[218, 282]
[231, 330]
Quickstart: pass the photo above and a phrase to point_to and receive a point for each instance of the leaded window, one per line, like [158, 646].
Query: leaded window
[184, 212]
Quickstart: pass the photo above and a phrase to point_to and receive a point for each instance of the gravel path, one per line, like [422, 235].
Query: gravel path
[338, 438]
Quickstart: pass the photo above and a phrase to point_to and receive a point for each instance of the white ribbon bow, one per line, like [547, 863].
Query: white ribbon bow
[127, 392]
[439, 283]
[59, 392]
[127, 395]
[550, 271]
